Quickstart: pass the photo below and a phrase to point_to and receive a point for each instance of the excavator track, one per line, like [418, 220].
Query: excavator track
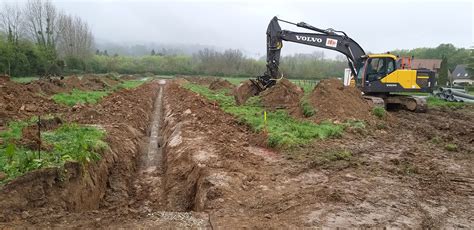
[410, 103]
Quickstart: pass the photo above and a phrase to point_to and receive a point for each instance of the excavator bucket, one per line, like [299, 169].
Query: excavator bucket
[244, 91]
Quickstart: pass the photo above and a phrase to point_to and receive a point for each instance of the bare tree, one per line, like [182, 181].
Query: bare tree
[41, 22]
[75, 39]
[11, 21]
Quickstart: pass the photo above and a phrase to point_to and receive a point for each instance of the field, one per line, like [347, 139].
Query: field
[131, 152]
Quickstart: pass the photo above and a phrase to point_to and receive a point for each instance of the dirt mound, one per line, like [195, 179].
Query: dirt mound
[244, 91]
[73, 82]
[111, 81]
[283, 94]
[129, 77]
[333, 101]
[201, 80]
[93, 83]
[219, 84]
[19, 101]
[4, 78]
[47, 86]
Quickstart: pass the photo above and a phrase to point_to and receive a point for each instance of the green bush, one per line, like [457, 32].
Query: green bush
[379, 111]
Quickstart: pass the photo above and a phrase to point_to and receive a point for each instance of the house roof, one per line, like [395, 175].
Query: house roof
[431, 64]
[460, 72]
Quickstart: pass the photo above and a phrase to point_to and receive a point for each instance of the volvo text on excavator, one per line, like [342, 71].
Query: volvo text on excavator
[379, 76]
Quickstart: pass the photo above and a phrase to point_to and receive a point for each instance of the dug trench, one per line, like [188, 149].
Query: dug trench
[181, 162]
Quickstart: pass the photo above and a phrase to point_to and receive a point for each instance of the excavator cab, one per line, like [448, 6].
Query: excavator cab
[383, 74]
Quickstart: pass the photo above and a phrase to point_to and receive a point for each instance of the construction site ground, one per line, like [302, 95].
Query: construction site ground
[176, 160]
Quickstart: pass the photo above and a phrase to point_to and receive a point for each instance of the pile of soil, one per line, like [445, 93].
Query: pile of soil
[220, 84]
[19, 101]
[4, 78]
[244, 91]
[73, 82]
[201, 80]
[129, 77]
[333, 101]
[283, 95]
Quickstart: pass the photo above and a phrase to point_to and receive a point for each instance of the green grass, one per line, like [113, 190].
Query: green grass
[79, 97]
[283, 130]
[130, 84]
[23, 79]
[70, 142]
[438, 102]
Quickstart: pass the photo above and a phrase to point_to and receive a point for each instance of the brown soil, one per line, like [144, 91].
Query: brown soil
[4, 78]
[129, 77]
[335, 102]
[202, 80]
[42, 196]
[212, 174]
[220, 84]
[17, 101]
[283, 94]
[244, 91]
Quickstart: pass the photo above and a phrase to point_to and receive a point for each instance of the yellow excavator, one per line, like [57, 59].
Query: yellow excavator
[379, 76]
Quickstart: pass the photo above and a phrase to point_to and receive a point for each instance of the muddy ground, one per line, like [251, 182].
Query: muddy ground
[177, 160]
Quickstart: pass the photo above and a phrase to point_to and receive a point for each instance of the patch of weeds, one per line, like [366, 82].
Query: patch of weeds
[341, 157]
[338, 155]
[408, 168]
[308, 109]
[70, 142]
[79, 97]
[283, 130]
[451, 147]
[379, 111]
[129, 84]
[440, 103]
[436, 140]
[355, 126]
[380, 125]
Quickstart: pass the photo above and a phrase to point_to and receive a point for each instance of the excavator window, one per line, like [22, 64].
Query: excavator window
[377, 68]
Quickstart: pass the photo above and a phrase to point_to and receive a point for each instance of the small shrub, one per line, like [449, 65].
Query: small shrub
[337, 155]
[451, 147]
[308, 109]
[379, 111]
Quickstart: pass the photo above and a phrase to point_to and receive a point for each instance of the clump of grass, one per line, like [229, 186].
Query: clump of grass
[451, 147]
[283, 130]
[308, 109]
[79, 97]
[338, 155]
[70, 142]
[440, 103]
[379, 111]
[130, 84]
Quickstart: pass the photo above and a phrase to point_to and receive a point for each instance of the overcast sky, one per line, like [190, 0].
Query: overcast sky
[377, 26]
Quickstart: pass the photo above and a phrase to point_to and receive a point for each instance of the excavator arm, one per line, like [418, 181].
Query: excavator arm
[327, 39]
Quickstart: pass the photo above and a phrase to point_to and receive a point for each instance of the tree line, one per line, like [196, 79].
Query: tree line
[37, 39]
